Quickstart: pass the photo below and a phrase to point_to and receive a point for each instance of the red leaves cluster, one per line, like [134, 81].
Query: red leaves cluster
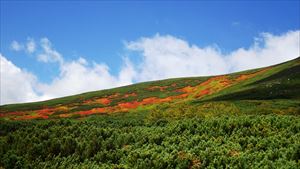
[130, 95]
[250, 75]
[160, 88]
[104, 101]
[129, 105]
[92, 111]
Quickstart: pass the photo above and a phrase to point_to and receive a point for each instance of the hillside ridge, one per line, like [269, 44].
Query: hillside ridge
[280, 81]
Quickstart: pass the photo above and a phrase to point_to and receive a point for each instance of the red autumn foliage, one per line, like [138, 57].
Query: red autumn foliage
[104, 101]
[114, 95]
[129, 105]
[13, 114]
[247, 76]
[180, 96]
[88, 112]
[92, 111]
[129, 95]
[187, 89]
[65, 115]
[150, 100]
[28, 117]
[46, 111]
[225, 82]
[205, 91]
[161, 88]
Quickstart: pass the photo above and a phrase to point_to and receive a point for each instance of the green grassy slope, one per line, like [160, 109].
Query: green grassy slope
[280, 81]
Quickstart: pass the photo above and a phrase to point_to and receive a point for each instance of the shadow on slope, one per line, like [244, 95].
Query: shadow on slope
[284, 84]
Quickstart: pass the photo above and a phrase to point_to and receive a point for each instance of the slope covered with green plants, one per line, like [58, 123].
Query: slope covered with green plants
[129, 141]
[247, 119]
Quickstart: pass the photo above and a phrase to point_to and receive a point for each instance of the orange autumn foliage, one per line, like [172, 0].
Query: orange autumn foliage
[114, 95]
[104, 101]
[65, 115]
[45, 111]
[62, 108]
[28, 117]
[149, 100]
[92, 111]
[129, 105]
[130, 95]
[248, 76]
[161, 88]
[12, 114]
[180, 96]
[187, 89]
[203, 92]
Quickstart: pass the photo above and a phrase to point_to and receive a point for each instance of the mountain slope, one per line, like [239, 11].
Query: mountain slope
[248, 119]
[280, 81]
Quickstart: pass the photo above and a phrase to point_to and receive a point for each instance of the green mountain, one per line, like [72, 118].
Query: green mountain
[268, 85]
[248, 119]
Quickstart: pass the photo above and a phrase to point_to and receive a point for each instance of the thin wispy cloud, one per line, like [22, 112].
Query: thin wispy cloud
[235, 24]
[49, 54]
[29, 46]
[16, 46]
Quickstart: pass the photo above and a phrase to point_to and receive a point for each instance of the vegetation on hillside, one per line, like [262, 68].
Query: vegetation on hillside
[136, 141]
[276, 82]
[248, 119]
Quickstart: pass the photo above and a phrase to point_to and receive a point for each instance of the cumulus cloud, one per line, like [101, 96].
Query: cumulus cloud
[76, 76]
[160, 57]
[17, 85]
[127, 74]
[167, 56]
[80, 76]
[268, 49]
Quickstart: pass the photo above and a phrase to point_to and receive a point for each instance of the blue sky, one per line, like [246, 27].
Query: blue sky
[107, 32]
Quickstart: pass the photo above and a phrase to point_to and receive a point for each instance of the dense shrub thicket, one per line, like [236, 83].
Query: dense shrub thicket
[229, 141]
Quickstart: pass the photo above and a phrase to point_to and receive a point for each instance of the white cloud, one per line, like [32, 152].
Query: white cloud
[168, 56]
[127, 74]
[30, 45]
[16, 46]
[49, 54]
[75, 77]
[161, 57]
[79, 76]
[17, 85]
[267, 50]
